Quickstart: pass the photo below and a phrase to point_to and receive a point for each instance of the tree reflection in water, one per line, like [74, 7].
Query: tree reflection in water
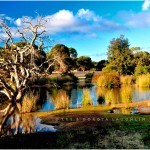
[24, 124]
[19, 123]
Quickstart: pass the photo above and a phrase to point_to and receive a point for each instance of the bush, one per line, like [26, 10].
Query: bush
[139, 70]
[143, 80]
[127, 80]
[109, 68]
[108, 80]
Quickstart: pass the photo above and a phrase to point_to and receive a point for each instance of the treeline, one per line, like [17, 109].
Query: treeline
[125, 60]
[121, 58]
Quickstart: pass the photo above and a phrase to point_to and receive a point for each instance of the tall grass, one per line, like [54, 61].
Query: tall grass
[86, 99]
[29, 102]
[60, 99]
[108, 80]
[143, 80]
[127, 80]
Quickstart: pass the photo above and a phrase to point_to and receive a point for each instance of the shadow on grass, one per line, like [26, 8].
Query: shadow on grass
[101, 136]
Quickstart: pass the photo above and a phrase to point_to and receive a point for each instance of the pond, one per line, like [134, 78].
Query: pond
[89, 94]
[70, 97]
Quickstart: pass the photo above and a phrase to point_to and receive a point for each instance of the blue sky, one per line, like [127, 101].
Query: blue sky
[84, 25]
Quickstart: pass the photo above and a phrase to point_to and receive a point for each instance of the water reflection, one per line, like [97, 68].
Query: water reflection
[74, 96]
[126, 94]
[140, 94]
[114, 96]
[107, 96]
[24, 124]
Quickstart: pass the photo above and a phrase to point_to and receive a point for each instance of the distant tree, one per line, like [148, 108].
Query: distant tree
[139, 70]
[73, 53]
[135, 49]
[142, 58]
[101, 64]
[109, 68]
[120, 55]
[62, 53]
[84, 63]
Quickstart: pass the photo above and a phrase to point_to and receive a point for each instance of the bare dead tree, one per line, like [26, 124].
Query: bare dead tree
[14, 72]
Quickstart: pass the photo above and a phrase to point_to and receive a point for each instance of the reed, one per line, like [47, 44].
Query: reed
[29, 102]
[108, 80]
[143, 80]
[127, 80]
[60, 99]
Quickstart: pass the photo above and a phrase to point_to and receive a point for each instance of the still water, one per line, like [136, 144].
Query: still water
[77, 96]
[89, 94]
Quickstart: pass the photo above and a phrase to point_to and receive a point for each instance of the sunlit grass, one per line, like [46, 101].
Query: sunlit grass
[143, 80]
[108, 80]
[29, 102]
[60, 99]
[127, 80]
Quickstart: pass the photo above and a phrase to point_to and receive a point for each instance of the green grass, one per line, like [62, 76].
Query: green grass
[120, 134]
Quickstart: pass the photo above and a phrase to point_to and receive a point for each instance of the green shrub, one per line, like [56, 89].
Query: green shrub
[109, 69]
[108, 80]
[139, 70]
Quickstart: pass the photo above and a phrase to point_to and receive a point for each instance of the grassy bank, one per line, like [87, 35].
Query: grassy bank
[89, 129]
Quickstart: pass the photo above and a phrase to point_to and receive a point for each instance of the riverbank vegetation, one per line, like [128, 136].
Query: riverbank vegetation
[27, 64]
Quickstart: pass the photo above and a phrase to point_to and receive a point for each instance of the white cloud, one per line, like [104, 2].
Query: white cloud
[88, 15]
[146, 5]
[84, 22]
[18, 22]
[135, 20]
[62, 18]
